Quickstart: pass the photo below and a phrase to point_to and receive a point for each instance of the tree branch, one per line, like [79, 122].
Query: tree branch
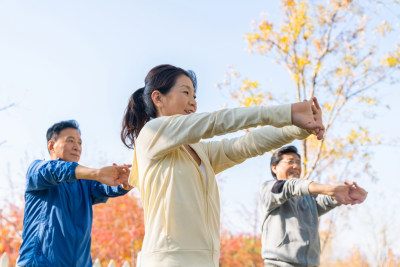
[7, 107]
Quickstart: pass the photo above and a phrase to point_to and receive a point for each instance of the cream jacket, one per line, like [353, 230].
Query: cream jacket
[181, 213]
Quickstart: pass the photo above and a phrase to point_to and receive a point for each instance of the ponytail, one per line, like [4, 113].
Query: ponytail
[135, 118]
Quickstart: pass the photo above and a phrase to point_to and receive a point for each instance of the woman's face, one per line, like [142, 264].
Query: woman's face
[181, 99]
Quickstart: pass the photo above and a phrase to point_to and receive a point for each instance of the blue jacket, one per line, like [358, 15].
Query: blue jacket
[58, 215]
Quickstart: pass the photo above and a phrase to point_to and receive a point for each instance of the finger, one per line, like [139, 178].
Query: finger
[314, 110]
[315, 100]
[123, 168]
[320, 134]
[351, 201]
[123, 182]
[314, 132]
[349, 184]
[313, 126]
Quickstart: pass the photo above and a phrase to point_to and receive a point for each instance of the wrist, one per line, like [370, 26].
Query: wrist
[82, 172]
[330, 190]
[324, 189]
[96, 174]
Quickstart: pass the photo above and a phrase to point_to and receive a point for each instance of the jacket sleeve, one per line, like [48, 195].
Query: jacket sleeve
[101, 192]
[161, 135]
[42, 174]
[229, 152]
[325, 203]
[273, 194]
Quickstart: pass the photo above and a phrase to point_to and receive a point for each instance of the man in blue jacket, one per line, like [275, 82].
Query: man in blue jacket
[58, 201]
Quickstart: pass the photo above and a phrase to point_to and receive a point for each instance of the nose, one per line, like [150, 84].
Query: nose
[193, 103]
[76, 147]
[295, 166]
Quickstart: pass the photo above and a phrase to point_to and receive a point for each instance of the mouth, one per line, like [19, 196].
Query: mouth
[294, 174]
[75, 155]
[188, 111]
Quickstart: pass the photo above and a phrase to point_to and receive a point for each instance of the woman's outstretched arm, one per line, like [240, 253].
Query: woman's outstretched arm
[164, 134]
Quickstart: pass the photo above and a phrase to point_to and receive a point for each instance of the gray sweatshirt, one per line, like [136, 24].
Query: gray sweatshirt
[290, 222]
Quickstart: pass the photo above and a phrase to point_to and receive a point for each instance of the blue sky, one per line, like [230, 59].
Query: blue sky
[83, 59]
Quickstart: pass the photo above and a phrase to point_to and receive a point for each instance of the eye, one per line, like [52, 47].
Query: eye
[186, 92]
[195, 96]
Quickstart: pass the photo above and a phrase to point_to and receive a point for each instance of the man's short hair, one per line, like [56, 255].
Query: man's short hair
[54, 131]
[277, 156]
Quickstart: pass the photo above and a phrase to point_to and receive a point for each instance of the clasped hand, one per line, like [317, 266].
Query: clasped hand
[308, 115]
[349, 193]
[115, 175]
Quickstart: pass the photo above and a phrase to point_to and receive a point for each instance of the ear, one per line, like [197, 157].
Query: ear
[156, 96]
[50, 146]
[273, 168]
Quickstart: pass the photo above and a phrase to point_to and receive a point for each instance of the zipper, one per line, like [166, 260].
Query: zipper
[206, 198]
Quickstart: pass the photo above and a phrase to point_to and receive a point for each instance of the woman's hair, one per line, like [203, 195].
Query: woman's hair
[141, 108]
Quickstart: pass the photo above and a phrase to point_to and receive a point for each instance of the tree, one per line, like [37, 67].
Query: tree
[11, 218]
[240, 250]
[118, 222]
[341, 52]
[353, 259]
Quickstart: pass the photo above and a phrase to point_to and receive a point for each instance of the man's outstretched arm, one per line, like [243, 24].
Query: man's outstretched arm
[340, 193]
[330, 196]
[110, 175]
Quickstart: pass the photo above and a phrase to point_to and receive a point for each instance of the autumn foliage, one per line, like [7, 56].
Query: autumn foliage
[330, 49]
[11, 218]
[327, 50]
[340, 51]
[118, 230]
[240, 250]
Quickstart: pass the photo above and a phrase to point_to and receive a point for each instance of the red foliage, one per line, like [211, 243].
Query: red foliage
[240, 250]
[120, 222]
[118, 230]
[11, 219]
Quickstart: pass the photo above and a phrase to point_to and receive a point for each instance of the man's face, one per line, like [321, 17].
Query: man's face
[289, 167]
[67, 147]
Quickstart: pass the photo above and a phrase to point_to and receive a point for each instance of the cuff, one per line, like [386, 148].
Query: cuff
[278, 116]
[122, 191]
[304, 187]
[295, 132]
[71, 171]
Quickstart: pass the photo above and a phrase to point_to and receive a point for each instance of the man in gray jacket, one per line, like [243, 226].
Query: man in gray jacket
[290, 208]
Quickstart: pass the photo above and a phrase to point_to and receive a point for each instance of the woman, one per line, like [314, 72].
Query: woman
[175, 173]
